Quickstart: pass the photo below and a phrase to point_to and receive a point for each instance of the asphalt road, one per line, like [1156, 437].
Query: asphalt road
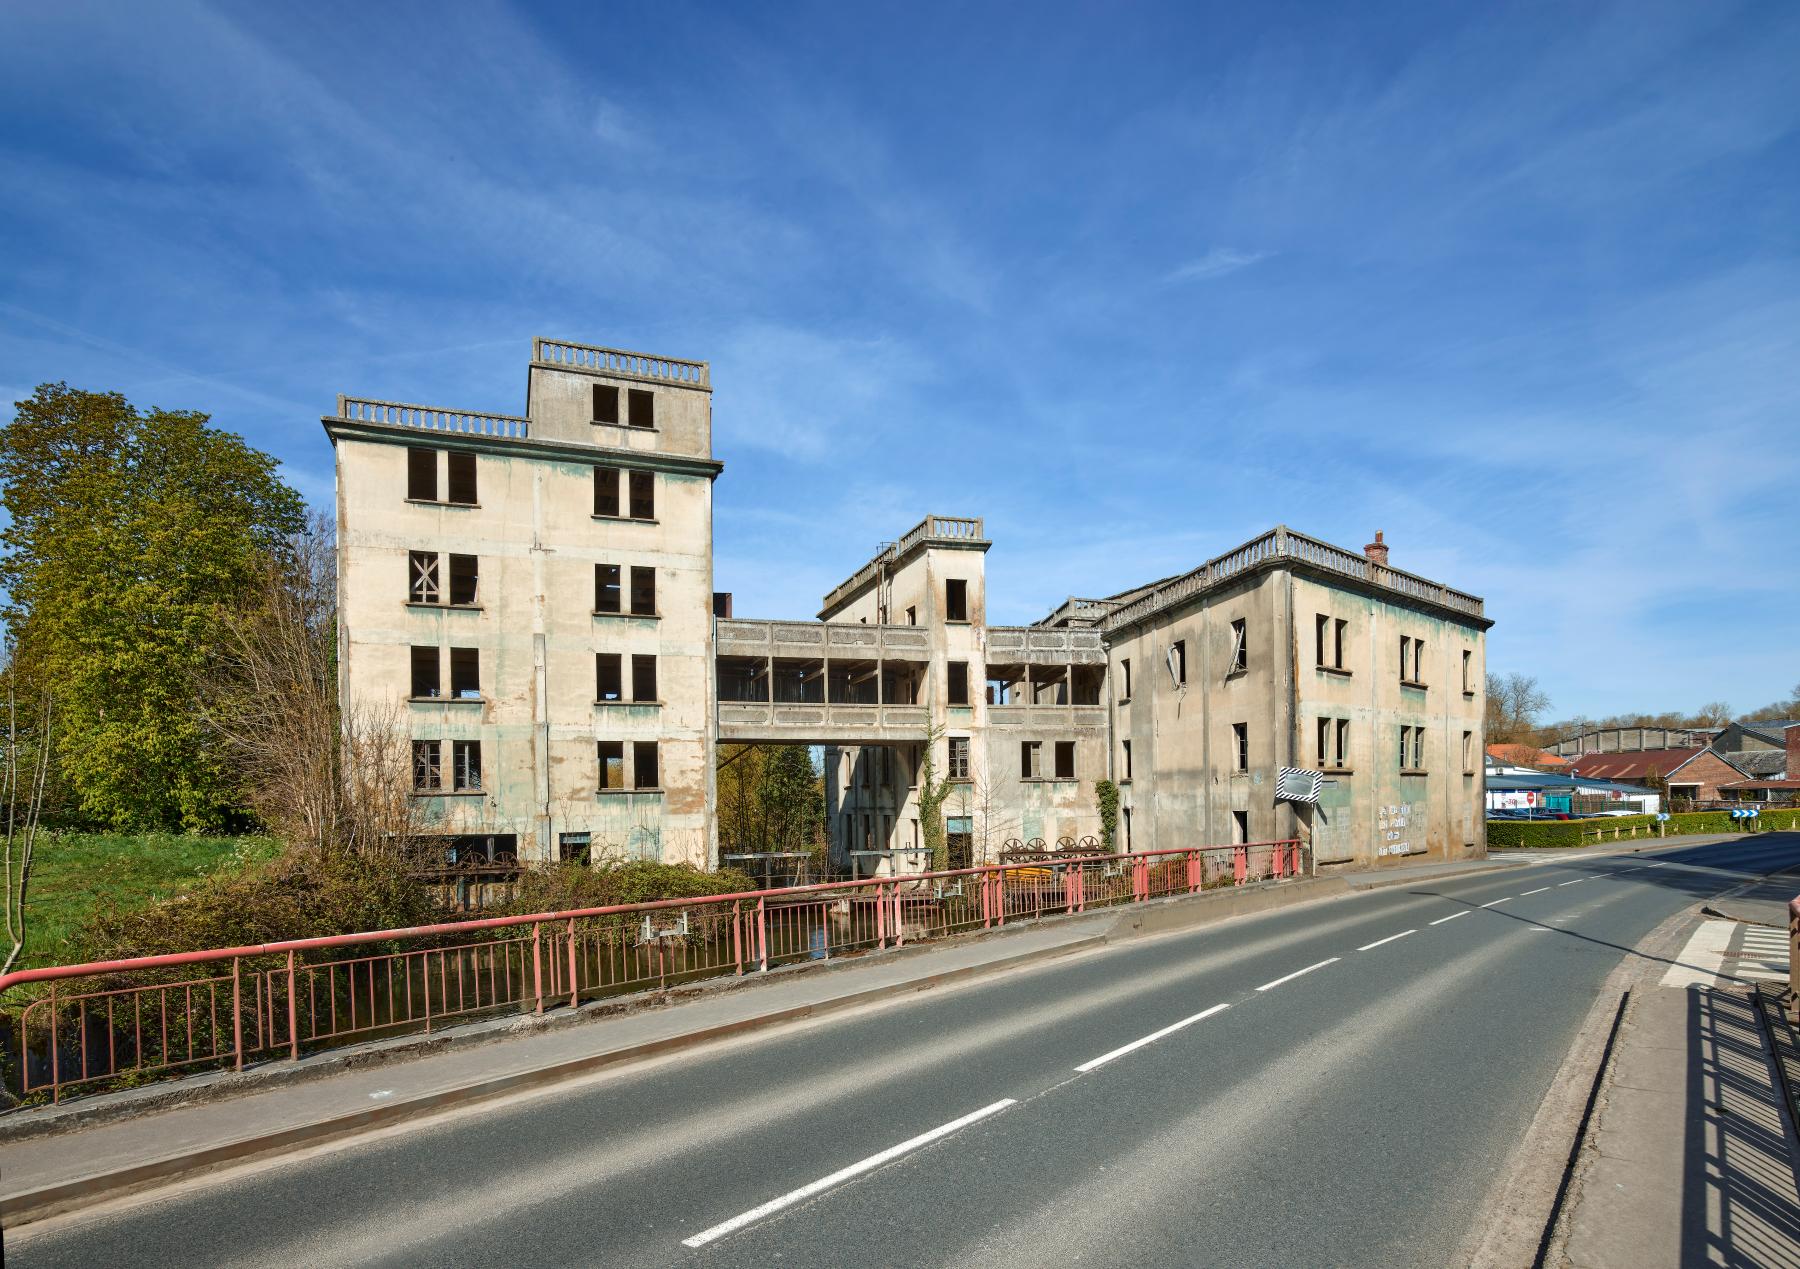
[1357, 1113]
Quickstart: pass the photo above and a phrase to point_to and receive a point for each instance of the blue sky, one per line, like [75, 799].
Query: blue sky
[1516, 284]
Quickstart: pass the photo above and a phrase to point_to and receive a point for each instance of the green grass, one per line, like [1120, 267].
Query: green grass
[74, 874]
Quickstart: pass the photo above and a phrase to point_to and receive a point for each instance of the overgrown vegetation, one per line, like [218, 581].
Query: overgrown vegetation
[771, 798]
[561, 887]
[1519, 833]
[933, 793]
[1106, 798]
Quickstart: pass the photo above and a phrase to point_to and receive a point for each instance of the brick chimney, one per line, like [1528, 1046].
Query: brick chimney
[1378, 554]
[1792, 736]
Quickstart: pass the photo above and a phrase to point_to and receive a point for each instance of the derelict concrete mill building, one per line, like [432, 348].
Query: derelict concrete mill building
[532, 598]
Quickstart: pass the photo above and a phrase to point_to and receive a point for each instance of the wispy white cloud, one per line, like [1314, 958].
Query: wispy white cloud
[1216, 263]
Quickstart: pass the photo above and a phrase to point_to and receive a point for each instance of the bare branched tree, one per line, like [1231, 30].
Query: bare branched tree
[28, 758]
[316, 774]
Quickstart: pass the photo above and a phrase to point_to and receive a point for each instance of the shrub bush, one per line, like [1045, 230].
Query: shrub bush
[560, 887]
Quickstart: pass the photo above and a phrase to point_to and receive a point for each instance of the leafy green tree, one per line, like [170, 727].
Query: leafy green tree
[130, 533]
[792, 798]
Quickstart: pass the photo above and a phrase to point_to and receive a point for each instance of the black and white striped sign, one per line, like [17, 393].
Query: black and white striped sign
[1297, 784]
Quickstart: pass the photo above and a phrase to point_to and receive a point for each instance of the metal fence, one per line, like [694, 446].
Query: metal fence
[109, 1023]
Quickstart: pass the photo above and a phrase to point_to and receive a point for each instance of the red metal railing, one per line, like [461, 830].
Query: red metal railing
[110, 1021]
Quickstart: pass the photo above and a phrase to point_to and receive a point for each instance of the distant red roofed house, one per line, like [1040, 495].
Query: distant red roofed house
[1695, 774]
[1511, 755]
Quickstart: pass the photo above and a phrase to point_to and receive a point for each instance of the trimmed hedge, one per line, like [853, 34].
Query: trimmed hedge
[1585, 832]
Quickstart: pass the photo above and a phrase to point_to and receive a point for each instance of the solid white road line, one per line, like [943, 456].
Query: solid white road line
[1492, 902]
[1288, 978]
[1539, 890]
[1575, 882]
[844, 1174]
[1389, 939]
[1452, 916]
[1152, 1038]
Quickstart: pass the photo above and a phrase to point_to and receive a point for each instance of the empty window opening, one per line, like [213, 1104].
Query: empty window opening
[959, 682]
[466, 775]
[576, 848]
[1338, 629]
[643, 495]
[799, 681]
[428, 772]
[1125, 816]
[956, 600]
[1085, 682]
[643, 407]
[1065, 760]
[1125, 746]
[606, 404]
[462, 477]
[425, 682]
[643, 591]
[421, 475]
[424, 573]
[465, 673]
[959, 757]
[1343, 742]
[608, 678]
[1240, 827]
[612, 764]
[1178, 662]
[606, 588]
[1468, 671]
[1004, 684]
[1125, 678]
[645, 772]
[1031, 759]
[1240, 652]
[606, 491]
[1324, 742]
[722, 604]
[464, 576]
[912, 616]
[1468, 753]
[1240, 745]
[1048, 684]
[643, 678]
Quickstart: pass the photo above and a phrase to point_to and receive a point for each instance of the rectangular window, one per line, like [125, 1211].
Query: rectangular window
[1240, 652]
[645, 772]
[1126, 744]
[606, 491]
[959, 757]
[1468, 677]
[959, 682]
[606, 588]
[421, 475]
[1418, 674]
[1321, 630]
[1125, 816]
[1324, 743]
[1240, 745]
[912, 616]
[643, 678]
[608, 678]
[428, 773]
[465, 673]
[1418, 754]
[577, 848]
[643, 407]
[1031, 759]
[1125, 677]
[425, 682]
[466, 756]
[606, 404]
[1343, 742]
[1065, 760]
[462, 478]
[1328, 635]
[1178, 662]
[1338, 641]
[956, 600]
[643, 591]
[612, 764]
[424, 572]
[1468, 753]
[643, 495]
[464, 574]
[1240, 827]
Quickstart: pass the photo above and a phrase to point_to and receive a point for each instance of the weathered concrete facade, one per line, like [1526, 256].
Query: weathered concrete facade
[533, 595]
